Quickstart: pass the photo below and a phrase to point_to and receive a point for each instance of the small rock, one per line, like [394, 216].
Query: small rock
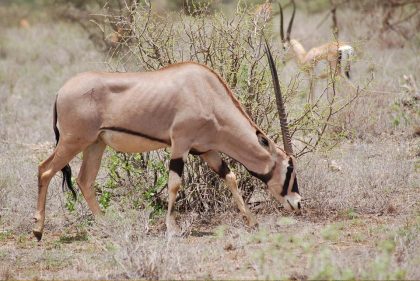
[391, 209]
[334, 166]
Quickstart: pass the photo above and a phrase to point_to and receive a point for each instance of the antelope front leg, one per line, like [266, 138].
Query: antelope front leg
[231, 182]
[216, 163]
[92, 156]
[176, 167]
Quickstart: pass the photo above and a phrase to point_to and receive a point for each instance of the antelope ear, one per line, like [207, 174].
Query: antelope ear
[263, 140]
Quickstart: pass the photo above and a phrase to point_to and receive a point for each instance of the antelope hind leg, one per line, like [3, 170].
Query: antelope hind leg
[92, 157]
[46, 170]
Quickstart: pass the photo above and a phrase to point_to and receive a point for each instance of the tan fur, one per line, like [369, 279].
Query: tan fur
[128, 143]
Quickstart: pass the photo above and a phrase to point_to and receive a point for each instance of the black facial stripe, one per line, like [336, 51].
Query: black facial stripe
[295, 186]
[287, 180]
[223, 170]
[130, 132]
[177, 166]
[291, 206]
[263, 177]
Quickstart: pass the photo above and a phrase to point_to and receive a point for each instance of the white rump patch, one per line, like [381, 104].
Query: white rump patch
[347, 54]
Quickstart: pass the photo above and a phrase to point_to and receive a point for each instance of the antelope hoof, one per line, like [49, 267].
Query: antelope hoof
[39, 227]
[252, 221]
[172, 228]
[173, 231]
[37, 234]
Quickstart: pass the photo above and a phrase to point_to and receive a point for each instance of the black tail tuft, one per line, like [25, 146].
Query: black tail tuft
[67, 169]
[67, 181]
[347, 70]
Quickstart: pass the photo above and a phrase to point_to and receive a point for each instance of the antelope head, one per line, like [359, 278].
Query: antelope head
[283, 183]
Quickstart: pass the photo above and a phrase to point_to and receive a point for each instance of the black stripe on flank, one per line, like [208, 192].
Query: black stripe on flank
[196, 152]
[263, 177]
[287, 180]
[130, 132]
[223, 170]
[177, 166]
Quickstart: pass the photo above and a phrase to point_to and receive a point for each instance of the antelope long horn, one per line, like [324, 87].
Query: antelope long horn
[289, 28]
[280, 104]
[281, 23]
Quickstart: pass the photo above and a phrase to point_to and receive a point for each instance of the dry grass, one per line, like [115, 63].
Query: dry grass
[365, 178]
[362, 199]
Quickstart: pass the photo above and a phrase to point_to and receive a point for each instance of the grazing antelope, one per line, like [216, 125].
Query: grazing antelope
[185, 106]
[336, 54]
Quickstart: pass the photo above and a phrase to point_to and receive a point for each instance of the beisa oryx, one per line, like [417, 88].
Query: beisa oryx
[185, 106]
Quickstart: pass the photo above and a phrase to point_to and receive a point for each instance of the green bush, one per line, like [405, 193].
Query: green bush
[233, 47]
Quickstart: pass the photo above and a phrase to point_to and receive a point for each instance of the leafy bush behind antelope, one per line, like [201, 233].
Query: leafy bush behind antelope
[234, 47]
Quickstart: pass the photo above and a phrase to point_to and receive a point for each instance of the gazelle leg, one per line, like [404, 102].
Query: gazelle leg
[347, 70]
[311, 97]
[92, 156]
[64, 152]
[311, 91]
[215, 162]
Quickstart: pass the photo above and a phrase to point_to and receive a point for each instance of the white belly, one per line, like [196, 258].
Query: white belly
[124, 142]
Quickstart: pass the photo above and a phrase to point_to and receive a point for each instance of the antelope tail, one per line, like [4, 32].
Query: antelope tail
[67, 169]
[345, 55]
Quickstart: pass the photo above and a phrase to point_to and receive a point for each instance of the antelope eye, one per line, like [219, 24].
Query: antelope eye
[262, 139]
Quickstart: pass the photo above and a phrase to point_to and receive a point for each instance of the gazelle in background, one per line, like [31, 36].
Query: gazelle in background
[185, 106]
[337, 54]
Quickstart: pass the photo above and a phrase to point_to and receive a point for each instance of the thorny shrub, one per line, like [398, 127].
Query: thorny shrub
[233, 47]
